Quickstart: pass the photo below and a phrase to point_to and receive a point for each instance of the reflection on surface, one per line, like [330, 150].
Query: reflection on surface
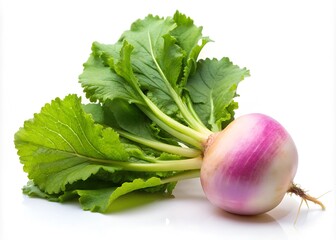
[217, 223]
[258, 219]
[199, 218]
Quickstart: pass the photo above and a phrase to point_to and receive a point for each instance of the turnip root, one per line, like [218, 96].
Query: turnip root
[250, 165]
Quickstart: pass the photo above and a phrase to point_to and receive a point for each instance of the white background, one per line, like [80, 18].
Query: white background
[289, 47]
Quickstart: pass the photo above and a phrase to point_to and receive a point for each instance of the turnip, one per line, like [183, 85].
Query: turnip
[250, 165]
[158, 115]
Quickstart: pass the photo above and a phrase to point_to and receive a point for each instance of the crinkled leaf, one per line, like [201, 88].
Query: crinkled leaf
[62, 144]
[212, 88]
[189, 38]
[100, 197]
[99, 79]
[96, 111]
[156, 59]
[99, 200]
[128, 117]
[155, 53]
[34, 191]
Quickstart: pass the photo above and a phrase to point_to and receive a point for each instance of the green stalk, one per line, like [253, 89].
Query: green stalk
[189, 139]
[159, 166]
[147, 158]
[182, 151]
[201, 137]
[182, 176]
[164, 166]
[193, 113]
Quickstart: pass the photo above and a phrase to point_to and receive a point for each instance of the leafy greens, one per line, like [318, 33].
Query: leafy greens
[154, 105]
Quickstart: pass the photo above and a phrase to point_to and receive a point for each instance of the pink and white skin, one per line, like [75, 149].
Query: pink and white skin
[249, 166]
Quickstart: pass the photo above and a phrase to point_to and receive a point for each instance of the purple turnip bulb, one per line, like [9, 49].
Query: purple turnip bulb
[249, 166]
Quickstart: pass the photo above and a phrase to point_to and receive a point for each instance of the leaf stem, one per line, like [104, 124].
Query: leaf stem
[191, 109]
[175, 124]
[159, 166]
[182, 176]
[182, 151]
[190, 137]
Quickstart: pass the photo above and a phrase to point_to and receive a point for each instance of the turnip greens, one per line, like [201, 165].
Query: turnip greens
[154, 105]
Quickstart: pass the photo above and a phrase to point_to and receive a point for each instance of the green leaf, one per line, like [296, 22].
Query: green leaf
[34, 191]
[156, 59]
[212, 89]
[99, 200]
[99, 197]
[101, 82]
[62, 144]
[96, 111]
[120, 114]
[123, 67]
[189, 38]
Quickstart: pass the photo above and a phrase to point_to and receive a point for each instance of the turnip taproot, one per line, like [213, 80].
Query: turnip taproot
[250, 165]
